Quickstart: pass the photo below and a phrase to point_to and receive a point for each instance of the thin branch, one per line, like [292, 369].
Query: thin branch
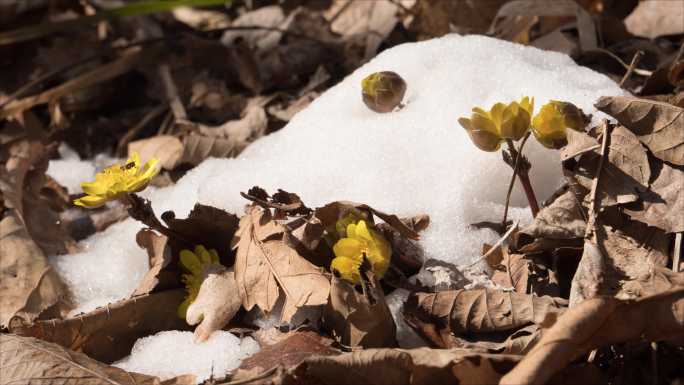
[632, 66]
[516, 167]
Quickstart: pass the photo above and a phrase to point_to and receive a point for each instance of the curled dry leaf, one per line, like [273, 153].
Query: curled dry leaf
[265, 264]
[287, 353]
[660, 126]
[216, 304]
[28, 360]
[168, 149]
[619, 251]
[108, 333]
[205, 225]
[440, 316]
[526, 276]
[159, 255]
[597, 322]
[561, 219]
[663, 203]
[422, 366]
[626, 174]
[330, 213]
[359, 319]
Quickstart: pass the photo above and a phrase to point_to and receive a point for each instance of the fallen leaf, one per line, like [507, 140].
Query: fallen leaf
[597, 322]
[35, 361]
[359, 319]
[656, 18]
[563, 218]
[216, 304]
[287, 353]
[166, 148]
[439, 316]
[578, 144]
[108, 333]
[330, 213]
[197, 148]
[266, 264]
[626, 174]
[526, 276]
[659, 126]
[205, 225]
[159, 255]
[422, 366]
[662, 204]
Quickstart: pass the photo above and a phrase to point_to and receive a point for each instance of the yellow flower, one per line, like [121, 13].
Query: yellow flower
[117, 180]
[194, 264]
[361, 240]
[487, 129]
[383, 91]
[550, 123]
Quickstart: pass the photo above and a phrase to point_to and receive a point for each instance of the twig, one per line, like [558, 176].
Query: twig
[518, 157]
[637, 71]
[594, 205]
[524, 179]
[632, 66]
[151, 114]
[677, 255]
[495, 246]
[177, 107]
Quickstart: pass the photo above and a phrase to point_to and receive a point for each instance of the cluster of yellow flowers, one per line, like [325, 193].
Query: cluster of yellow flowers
[194, 264]
[116, 181]
[488, 129]
[359, 239]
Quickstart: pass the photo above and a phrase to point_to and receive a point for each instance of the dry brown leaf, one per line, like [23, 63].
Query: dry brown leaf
[561, 219]
[526, 276]
[28, 231]
[597, 322]
[330, 213]
[251, 126]
[435, 18]
[659, 126]
[27, 360]
[422, 366]
[160, 257]
[663, 202]
[578, 144]
[619, 251]
[108, 333]
[287, 353]
[266, 264]
[205, 225]
[168, 149]
[625, 175]
[439, 316]
[216, 303]
[359, 319]
[197, 148]
[656, 18]
[588, 38]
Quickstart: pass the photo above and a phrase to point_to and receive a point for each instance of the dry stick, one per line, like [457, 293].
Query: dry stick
[637, 71]
[524, 179]
[677, 255]
[632, 66]
[151, 114]
[593, 205]
[510, 185]
[177, 107]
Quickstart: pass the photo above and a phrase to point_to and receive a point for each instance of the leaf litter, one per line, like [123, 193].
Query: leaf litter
[595, 272]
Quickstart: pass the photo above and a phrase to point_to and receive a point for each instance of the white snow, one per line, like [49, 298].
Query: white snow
[70, 173]
[416, 160]
[173, 353]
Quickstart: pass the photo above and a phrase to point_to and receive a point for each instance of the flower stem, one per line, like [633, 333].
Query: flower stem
[523, 177]
[140, 209]
[516, 167]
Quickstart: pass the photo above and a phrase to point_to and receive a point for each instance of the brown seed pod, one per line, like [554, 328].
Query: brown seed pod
[383, 91]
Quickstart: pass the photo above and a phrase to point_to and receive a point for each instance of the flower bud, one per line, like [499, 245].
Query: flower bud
[383, 91]
[554, 117]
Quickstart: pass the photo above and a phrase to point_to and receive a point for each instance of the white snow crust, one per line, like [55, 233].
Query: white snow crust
[173, 353]
[415, 160]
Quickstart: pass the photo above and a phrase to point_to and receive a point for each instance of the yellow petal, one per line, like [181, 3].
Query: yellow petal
[203, 254]
[90, 201]
[349, 248]
[94, 188]
[484, 123]
[362, 231]
[466, 123]
[150, 169]
[351, 230]
[135, 159]
[190, 261]
[347, 268]
[496, 114]
[214, 256]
